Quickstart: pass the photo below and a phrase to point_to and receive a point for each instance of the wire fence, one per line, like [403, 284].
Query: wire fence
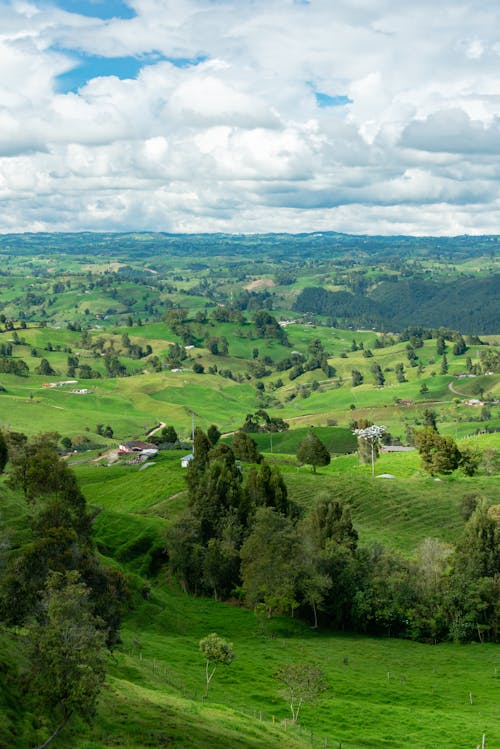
[306, 735]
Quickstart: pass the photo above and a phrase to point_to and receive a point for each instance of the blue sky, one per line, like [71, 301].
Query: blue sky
[376, 116]
[103, 9]
[86, 67]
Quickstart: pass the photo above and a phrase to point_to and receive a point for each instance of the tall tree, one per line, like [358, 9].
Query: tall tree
[213, 434]
[378, 375]
[369, 439]
[271, 562]
[4, 452]
[312, 451]
[330, 541]
[438, 454]
[245, 448]
[67, 654]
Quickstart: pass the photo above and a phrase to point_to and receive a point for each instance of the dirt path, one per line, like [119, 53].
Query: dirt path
[155, 429]
[111, 456]
[457, 392]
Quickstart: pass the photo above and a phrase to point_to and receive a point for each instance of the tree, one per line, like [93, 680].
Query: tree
[378, 375]
[66, 443]
[266, 488]
[330, 542]
[356, 378]
[4, 452]
[44, 368]
[440, 345]
[475, 579]
[370, 437]
[216, 651]
[470, 460]
[213, 434]
[430, 419]
[271, 561]
[400, 372]
[245, 448]
[169, 435]
[438, 454]
[304, 682]
[313, 452]
[67, 653]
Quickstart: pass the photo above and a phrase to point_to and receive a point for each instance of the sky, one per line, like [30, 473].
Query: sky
[360, 116]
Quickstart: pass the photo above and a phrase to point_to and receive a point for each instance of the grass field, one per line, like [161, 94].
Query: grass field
[382, 693]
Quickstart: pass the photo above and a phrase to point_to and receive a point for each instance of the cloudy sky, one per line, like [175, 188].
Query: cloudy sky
[364, 116]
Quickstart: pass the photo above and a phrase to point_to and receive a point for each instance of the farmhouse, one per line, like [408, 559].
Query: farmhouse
[137, 446]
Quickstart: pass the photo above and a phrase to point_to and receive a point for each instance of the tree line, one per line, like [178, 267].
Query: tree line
[398, 304]
[242, 536]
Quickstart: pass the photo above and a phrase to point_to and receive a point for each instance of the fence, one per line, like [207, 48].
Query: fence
[309, 737]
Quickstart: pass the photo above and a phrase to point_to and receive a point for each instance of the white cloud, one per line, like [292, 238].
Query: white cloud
[238, 142]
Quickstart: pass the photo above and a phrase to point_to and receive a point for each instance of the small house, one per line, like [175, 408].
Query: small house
[186, 460]
[136, 446]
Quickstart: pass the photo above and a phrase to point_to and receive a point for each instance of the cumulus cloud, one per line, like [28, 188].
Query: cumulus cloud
[359, 115]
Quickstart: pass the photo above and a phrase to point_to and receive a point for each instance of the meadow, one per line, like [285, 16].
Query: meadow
[78, 296]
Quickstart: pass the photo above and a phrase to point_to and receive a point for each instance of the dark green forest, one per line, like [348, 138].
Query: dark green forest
[468, 305]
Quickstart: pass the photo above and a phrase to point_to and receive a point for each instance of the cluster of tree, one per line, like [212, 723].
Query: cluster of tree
[268, 327]
[490, 360]
[261, 421]
[204, 545]
[54, 586]
[297, 363]
[440, 454]
[397, 304]
[217, 345]
[105, 431]
[176, 354]
[178, 321]
[168, 439]
[114, 367]
[243, 536]
[44, 368]
[17, 367]
[228, 314]
[134, 350]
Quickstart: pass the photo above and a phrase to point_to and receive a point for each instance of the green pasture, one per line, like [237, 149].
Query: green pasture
[398, 512]
[336, 439]
[381, 692]
[133, 489]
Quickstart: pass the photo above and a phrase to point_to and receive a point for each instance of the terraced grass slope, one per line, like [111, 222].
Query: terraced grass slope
[381, 692]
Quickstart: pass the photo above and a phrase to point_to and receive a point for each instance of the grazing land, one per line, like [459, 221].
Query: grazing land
[109, 338]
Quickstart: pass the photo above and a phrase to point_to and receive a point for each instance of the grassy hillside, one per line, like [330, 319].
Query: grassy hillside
[336, 439]
[141, 319]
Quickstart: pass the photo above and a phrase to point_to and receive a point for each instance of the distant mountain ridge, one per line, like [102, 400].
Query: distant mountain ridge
[309, 244]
